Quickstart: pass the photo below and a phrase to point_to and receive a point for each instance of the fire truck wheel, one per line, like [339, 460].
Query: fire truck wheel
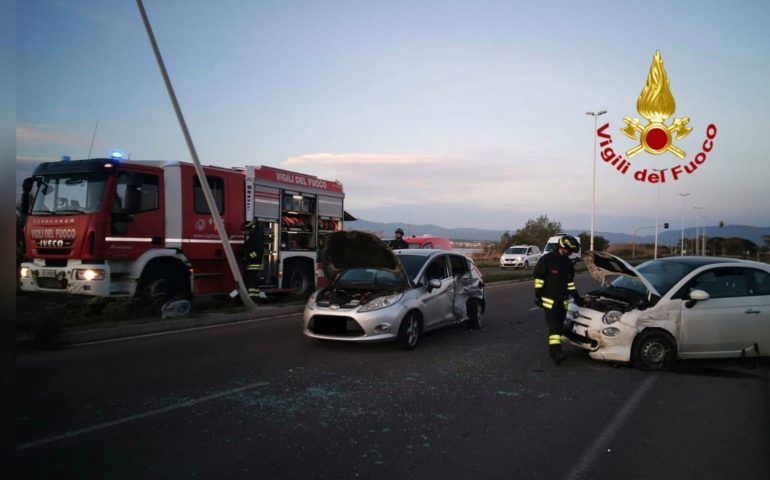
[162, 285]
[299, 279]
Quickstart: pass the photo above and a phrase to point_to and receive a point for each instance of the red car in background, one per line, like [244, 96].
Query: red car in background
[429, 241]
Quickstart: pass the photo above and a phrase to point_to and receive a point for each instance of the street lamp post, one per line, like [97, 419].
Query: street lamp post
[681, 248]
[593, 187]
[657, 215]
[697, 228]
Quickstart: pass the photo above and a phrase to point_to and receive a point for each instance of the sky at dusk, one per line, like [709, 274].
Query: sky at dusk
[455, 113]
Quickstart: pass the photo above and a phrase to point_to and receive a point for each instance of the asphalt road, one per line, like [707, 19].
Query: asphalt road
[258, 400]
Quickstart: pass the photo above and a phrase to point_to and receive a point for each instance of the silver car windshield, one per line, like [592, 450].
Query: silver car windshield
[412, 264]
[661, 274]
[368, 278]
[516, 251]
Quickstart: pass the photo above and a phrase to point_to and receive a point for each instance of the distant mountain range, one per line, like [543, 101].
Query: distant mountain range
[665, 237]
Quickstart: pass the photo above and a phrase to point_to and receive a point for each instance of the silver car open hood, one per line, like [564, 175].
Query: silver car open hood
[603, 265]
[354, 249]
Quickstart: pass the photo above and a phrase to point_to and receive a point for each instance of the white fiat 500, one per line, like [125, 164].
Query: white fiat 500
[377, 294]
[673, 308]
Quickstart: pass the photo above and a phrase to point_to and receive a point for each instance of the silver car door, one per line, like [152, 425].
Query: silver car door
[759, 290]
[438, 301]
[721, 326]
[463, 280]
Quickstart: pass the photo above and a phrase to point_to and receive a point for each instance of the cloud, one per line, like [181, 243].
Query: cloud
[39, 134]
[433, 186]
[360, 159]
[24, 168]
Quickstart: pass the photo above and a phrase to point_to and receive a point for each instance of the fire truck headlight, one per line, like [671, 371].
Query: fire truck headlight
[25, 272]
[89, 274]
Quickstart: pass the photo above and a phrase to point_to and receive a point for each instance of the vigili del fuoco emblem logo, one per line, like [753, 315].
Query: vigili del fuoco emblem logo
[656, 104]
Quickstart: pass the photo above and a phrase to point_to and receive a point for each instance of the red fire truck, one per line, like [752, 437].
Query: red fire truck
[105, 227]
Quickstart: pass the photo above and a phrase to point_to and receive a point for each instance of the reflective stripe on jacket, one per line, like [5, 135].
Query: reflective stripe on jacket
[554, 278]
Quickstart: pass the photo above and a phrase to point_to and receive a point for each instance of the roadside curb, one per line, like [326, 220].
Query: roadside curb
[106, 331]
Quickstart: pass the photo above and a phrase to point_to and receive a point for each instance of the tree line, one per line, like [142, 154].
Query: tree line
[537, 231]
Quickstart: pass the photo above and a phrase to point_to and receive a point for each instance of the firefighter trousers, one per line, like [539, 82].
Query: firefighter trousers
[554, 317]
[253, 279]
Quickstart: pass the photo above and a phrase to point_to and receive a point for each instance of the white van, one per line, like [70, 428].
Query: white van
[553, 244]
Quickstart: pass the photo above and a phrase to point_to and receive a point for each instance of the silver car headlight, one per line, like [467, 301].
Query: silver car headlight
[311, 300]
[611, 317]
[381, 302]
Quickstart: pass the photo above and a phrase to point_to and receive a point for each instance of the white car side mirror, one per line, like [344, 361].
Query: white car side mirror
[699, 295]
[695, 297]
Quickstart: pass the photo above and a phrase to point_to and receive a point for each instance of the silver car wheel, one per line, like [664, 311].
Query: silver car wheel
[409, 332]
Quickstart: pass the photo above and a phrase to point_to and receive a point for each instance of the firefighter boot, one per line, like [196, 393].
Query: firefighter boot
[556, 354]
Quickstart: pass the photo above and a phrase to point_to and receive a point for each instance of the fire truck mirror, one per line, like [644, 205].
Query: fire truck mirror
[24, 202]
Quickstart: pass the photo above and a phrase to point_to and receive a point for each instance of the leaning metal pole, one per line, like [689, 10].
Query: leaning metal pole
[198, 169]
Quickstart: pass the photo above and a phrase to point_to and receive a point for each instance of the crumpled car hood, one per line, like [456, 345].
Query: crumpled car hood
[603, 265]
[355, 249]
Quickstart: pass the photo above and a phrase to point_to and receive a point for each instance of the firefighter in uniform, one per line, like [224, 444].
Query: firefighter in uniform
[253, 250]
[554, 282]
[399, 241]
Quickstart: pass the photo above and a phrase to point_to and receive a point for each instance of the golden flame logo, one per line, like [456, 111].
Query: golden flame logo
[656, 104]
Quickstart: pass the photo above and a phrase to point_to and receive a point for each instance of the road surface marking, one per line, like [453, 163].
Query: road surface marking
[586, 459]
[139, 416]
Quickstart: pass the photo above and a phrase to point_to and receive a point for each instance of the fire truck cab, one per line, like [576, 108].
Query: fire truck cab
[106, 227]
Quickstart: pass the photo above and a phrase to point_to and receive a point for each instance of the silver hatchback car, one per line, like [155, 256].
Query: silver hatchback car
[672, 308]
[377, 294]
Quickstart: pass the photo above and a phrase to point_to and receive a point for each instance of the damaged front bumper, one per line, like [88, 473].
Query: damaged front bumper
[603, 342]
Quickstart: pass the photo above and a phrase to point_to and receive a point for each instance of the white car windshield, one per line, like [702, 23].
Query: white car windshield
[661, 274]
[516, 251]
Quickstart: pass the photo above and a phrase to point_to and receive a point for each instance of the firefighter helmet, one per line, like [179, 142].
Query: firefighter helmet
[398, 230]
[248, 226]
[570, 243]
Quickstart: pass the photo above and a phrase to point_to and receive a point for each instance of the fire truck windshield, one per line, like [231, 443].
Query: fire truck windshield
[69, 193]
